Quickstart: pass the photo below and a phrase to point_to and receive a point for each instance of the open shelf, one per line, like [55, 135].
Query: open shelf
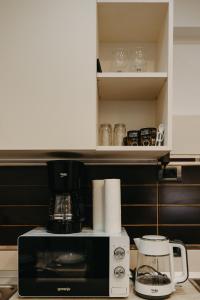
[130, 151]
[130, 25]
[134, 112]
[130, 86]
[120, 18]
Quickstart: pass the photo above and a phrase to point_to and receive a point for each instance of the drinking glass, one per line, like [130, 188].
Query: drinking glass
[139, 62]
[120, 59]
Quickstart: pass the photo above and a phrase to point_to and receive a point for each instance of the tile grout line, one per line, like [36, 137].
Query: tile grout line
[24, 205]
[139, 225]
[139, 205]
[21, 225]
[157, 210]
[126, 225]
[162, 225]
[23, 185]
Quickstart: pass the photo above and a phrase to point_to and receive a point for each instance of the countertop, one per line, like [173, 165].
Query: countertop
[186, 291]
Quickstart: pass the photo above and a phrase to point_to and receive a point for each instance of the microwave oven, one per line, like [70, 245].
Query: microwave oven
[85, 264]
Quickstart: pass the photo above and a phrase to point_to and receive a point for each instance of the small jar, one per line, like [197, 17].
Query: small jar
[133, 137]
[105, 135]
[119, 134]
[148, 136]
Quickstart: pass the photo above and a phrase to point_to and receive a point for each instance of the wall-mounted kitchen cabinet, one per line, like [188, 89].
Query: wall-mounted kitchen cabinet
[186, 105]
[137, 99]
[47, 74]
[51, 96]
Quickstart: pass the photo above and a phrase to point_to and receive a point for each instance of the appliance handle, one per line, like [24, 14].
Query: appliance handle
[184, 259]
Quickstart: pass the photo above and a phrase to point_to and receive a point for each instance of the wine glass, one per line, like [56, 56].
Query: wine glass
[139, 62]
[120, 59]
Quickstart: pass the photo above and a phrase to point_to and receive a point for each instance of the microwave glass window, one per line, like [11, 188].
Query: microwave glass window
[81, 263]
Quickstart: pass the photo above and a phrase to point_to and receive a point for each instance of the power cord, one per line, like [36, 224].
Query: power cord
[132, 274]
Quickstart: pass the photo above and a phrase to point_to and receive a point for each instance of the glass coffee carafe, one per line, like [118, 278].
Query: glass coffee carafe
[65, 208]
[155, 277]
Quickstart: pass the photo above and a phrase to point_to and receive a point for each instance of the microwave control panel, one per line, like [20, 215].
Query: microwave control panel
[119, 265]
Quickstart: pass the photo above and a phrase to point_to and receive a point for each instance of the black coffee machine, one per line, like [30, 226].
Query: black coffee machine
[65, 204]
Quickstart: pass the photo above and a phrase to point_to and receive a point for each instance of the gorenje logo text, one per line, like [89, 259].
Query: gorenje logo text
[63, 289]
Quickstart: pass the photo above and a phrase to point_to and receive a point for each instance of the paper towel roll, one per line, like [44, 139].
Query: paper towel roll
[112, 196]
[98, 204]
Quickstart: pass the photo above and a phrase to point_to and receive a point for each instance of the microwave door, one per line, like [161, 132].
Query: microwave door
[64, 266]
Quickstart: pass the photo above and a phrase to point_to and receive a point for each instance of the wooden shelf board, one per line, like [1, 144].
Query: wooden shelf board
[133, 1]
[101, 153]
[130, 86]
[142, 152]
[132, 75]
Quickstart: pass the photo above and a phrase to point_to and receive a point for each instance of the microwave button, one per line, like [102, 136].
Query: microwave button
[119, 253]
[119, 272]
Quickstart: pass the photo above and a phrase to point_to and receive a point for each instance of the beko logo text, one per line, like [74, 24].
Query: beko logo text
[154, 290]
[62, 289]
[62, 175]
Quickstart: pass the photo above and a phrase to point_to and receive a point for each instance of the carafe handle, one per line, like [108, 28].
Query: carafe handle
[184, 260]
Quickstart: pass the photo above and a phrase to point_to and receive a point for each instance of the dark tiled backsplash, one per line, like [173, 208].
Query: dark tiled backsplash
[179, 194]
[148, 207]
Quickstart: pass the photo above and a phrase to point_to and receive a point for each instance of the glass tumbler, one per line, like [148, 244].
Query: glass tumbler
[105, 135]
[119, 134]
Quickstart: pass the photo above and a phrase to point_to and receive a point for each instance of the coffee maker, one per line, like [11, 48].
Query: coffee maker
[65, 204]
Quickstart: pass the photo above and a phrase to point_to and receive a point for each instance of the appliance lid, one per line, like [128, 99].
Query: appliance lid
[154, 238]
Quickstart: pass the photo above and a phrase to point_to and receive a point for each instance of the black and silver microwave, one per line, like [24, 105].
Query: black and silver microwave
[84, 264]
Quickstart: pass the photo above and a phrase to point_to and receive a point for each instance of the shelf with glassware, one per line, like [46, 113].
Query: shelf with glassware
[134, 82]
[134, 36]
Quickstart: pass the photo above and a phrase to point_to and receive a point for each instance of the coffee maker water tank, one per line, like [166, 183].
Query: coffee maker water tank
[65, 204]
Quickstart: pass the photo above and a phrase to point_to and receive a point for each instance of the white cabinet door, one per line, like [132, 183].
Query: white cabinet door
[186, 104]
[186, 136]
[48, 74]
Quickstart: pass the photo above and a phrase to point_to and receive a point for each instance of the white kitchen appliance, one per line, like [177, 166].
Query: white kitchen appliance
[83, 264]
[155, 277]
